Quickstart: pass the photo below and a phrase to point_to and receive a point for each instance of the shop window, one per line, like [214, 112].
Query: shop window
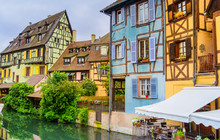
[81, 60]
[66, 61]
[143, 48]
[179, 9]
[42, 70]
[143, 13]
[28, 71]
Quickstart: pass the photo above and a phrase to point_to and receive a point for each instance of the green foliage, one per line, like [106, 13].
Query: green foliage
[89, 87]
[83, 116]
[180, 133]
[139, 58]
[59, 100]
[106, 82]
[206, 138]
[105, 101]
[17, 98]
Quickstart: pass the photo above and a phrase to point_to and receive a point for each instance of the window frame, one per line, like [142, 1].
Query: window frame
[139, 78]
[70, 51]
[39, 52]
[116, 51]
[28, 40]
[146, 41]
[27, 54]
[118, 17]
[78, 58]
[42, 70]
[138, 13]
[105, 49]
[84, 49]
[66, 61]
[40, 37]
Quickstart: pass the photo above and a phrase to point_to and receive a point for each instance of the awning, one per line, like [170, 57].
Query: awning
[181, 105]
[207, 118]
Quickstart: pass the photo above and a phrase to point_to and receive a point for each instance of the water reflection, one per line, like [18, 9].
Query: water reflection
[28, 127]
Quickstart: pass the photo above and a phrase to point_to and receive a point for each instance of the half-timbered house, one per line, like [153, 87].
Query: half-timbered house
[36, 48]
[137, 51]
[99, 57]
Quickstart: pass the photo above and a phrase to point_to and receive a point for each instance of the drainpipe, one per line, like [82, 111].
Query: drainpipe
[193, 12]
[164, 22]
[110, 75]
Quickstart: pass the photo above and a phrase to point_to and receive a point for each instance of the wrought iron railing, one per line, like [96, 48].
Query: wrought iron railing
[206, 63]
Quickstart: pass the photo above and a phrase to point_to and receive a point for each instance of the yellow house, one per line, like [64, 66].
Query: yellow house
[99, 56]
[192, 46]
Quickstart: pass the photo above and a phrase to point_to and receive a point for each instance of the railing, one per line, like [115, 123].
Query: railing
[206, 63]
[7, 63]
[32, 60]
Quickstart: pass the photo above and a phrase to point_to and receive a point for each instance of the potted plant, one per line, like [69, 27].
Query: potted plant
[145, 59]
[105, 103]
[97, 102]
[139, 59]
[179, 135]
[91, 102]
[85, 101]
[147, 94]
[179, 14]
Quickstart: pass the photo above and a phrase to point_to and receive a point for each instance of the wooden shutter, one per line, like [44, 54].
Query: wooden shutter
[31, 71]
[45, 69]
[152, 49]
[37, 69]
[133, 15]
[134, 88]
[188, 6]
[133, 52]
[188, 48]
[9, 72]
[30, 54]
[61, 27]
[41, 51]
[170, 12]
[154, 86]
[122, 14]
[122, 50]
[11, 58]
[113, 17]
[6, 73]
[25, 54]
[2, 73]
[7, 58]
[151, 10]
[36, 53]
[98, 70]
[172, 51]
[113, 52]
[23, 71]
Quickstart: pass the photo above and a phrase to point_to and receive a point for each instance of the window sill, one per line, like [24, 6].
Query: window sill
[143, 98]
[118, 23]
[118, 59]
[178, 19]
[144, 24]
[180, 59]
[143, 62]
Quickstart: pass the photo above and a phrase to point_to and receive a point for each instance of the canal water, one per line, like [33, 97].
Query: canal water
[28, 127]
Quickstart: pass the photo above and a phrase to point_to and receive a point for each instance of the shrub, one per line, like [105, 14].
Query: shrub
[17, 98]
[89, 87]
[83, 116]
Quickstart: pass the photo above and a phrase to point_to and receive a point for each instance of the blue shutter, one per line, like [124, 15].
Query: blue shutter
[133, 14]
[113, 17]
[122, 14]
[133, 52]
[154, 86]
[113, 52]
[152, 49]
[134, 88]
[151, 10]
[122, 50]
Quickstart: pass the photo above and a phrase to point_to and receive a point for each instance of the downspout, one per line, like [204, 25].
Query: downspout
[110, 75]
[193, 12]
[164, 22]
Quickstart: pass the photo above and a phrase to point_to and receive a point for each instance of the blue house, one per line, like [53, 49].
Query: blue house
[137, 51]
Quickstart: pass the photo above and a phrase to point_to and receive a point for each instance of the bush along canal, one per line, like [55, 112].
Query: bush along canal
[28, 127]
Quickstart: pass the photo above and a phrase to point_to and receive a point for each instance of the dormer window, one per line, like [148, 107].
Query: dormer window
[81, 60]
[28, 33]
[66, 61]
[39, 29]
[104, 50]
[39, 37]
[70, 50]
[83, 49]
[77, 50]
[47, 26]
[28, 40]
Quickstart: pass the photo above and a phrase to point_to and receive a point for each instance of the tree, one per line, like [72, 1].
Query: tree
[17, 98]
[89, 87]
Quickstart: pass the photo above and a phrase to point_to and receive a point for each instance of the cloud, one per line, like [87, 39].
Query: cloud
[84, 16]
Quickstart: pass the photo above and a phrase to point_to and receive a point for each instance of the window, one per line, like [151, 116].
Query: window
[83, 76]
[39, 52]
[144, 87]
[81, 60]
[27, 71]
[28, 40]
[97, 48]
[104, 51]
[83, 49]
[58, 40]
[9, 72]
[181, 49]
[66, 61]
[104, 72]
[39, 37]
[42, 70]
[9, 57]
[143, 13]
[118, 16]
[118, 51]
[181, 7]
[47, 26]
[143, 48]
[77, 50]
[28, 33]
[4, 73]
[67, 42]
[39, 29]
[15, 60]
[27, 54]
[70, 50]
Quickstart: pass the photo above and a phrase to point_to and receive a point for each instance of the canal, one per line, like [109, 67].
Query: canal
[29, 127]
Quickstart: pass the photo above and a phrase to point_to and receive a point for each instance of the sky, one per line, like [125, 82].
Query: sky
[84, 15]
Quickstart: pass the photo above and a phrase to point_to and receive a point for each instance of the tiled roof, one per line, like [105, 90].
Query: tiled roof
[73, 66]
[52, 21]
[6, 85]
[112, 5]
[95, 54]
[34, 79]
[35, 95]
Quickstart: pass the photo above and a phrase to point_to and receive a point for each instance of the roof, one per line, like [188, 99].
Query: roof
[35, 95]
[214, 5]
[114, 4]
[51, 22]
[34, 79]
[95, 54]
[6, 85]
[73, 66]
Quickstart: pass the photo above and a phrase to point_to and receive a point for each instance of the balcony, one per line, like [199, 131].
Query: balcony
[32, 60]
[206, 63]
[6, 64]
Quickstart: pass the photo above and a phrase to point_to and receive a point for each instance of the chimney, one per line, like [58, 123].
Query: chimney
[74, 36]
[30, 23]
[93, 38]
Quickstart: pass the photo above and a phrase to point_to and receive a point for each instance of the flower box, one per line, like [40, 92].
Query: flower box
[97, 102]
[105, 104]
